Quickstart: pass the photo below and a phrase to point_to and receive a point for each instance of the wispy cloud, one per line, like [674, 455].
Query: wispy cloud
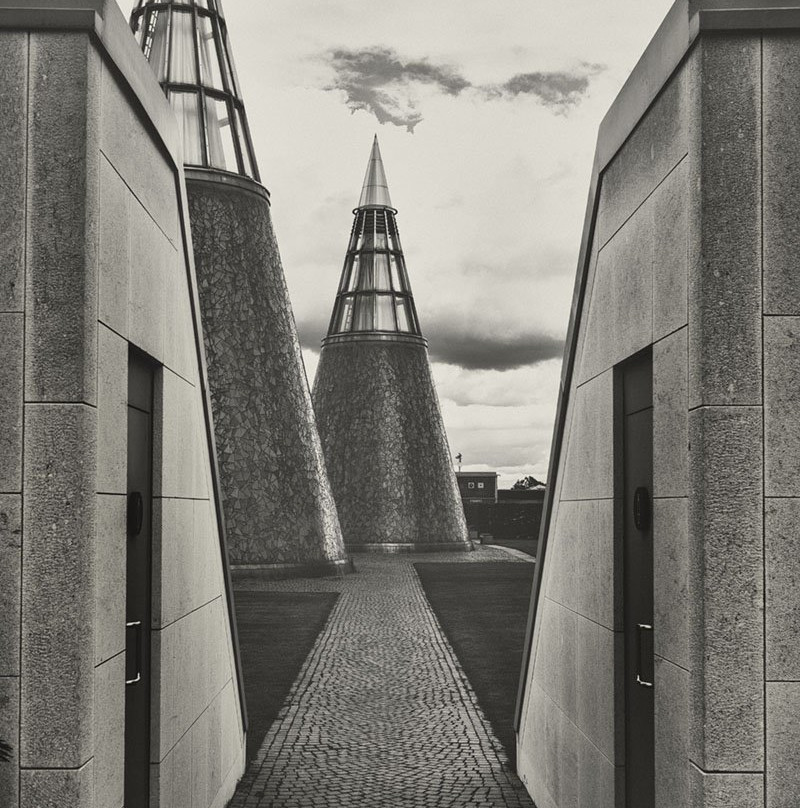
[381, 82]
[558, 90]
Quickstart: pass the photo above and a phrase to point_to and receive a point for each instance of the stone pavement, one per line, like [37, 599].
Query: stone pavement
[381, 713]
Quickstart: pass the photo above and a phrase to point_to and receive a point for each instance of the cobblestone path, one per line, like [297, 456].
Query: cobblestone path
[381, 713]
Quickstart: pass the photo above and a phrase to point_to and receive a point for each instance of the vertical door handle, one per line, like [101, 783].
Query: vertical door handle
[640, 628]
[641, 508]
[137, 626]
[135, 513]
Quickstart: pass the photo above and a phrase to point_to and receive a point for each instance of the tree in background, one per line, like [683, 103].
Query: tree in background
[526, 483]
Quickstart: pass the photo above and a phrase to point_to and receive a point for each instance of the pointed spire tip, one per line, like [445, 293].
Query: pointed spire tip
[375, 191]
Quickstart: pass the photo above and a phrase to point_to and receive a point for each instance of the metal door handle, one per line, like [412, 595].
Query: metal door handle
[641, 508]
[137, 624]
[640, 627]
[135, 513]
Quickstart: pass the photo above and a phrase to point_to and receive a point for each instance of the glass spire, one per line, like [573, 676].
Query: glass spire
[374, 298]
[186, 43]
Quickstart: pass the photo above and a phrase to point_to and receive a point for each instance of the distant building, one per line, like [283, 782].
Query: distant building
[477, 486]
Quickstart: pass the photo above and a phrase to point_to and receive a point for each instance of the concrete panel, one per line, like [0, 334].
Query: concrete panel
[725, 277]
[109, 576]
[13, 143]
[783, 744]
[671, 568]
[781, 541]
[164, 684]
[11, 349]
[726, 570]
[151, 255]
[57, 585]
[109, 733]
[670, 212]
[782, 406]
[175, 560]
[654, 148]
[114, 248]
[726, 790]
[58, 788]
[232, 738]
[670, 416]
[671, 690]
[174, 447]
[541, 764]
[589, 467]
[596, 777]
[781, 100]
[180, 351]
[620, 314]
[554, 671]
[9, 729]
[112, 413]
[61, 291]
[182, 773]
[129, 147]
[10, 570]
[594, 688]
[581, 560]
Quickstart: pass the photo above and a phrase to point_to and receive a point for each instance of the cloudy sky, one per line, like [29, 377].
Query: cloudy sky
[487, 115]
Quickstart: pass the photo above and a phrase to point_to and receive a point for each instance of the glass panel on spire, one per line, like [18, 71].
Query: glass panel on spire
[186, 42]
[374, 297]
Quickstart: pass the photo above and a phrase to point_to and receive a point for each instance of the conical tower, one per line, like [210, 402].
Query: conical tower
[280, 513]
[377, 410]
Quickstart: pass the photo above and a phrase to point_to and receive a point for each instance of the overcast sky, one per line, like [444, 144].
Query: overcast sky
[487, 116]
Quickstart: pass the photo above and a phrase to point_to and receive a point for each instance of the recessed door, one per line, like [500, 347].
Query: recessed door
[139, 576]
[637, 455]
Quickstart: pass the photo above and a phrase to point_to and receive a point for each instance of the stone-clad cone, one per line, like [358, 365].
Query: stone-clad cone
[377, 411]
[280, 514]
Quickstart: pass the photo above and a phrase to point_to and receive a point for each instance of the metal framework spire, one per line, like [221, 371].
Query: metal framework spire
[186, 42]
[374, 300]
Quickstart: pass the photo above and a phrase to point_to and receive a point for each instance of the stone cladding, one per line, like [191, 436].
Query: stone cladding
[279, 510]
[381, 713]
[386, 449]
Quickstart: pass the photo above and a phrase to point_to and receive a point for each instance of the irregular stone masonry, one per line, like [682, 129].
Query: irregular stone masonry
[276, 497]
[381, 713]
[385, 446]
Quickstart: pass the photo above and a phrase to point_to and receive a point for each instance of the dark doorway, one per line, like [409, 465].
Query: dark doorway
[139, 574]
[636, 378]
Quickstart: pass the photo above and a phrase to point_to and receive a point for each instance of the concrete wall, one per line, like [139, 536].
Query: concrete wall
[385, 447]
[280, 513]
[94, 260]
[693, 255]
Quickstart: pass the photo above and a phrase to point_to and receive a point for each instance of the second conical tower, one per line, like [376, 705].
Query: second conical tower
[280, 515]
[376, 405]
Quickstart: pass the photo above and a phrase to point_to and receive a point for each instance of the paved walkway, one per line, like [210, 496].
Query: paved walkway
[381, 713]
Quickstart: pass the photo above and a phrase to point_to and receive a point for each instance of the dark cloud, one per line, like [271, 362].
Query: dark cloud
[379, 81]
[457, 345]
[477, 351]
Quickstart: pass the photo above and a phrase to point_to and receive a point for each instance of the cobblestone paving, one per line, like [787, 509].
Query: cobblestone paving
[381, 713]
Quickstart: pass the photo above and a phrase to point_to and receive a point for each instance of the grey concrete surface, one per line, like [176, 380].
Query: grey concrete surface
[726, 571]
[725, 278]
[381, 713]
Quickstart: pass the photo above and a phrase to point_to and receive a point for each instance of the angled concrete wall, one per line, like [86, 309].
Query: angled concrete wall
[279, 510]
[96, 259]
[691, 251]
[386, 448]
